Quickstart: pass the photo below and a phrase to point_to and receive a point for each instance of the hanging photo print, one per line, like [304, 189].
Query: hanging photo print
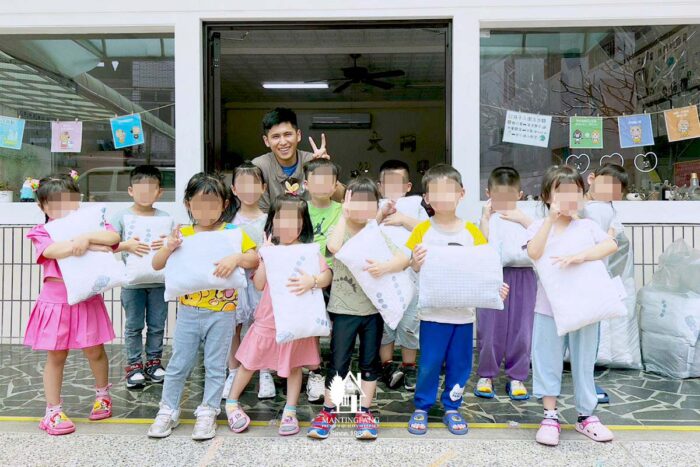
[11, 132]
[586, 132]
[127, 131]
[682, 123]
[528, 129]
[66, 136]
[635, 131]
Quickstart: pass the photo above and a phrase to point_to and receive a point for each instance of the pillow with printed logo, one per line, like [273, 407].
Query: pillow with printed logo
[94, 272]
[391, 293]
[296, 316]
[191, 267]
[580, 294]
[147, 229]
[460, 277]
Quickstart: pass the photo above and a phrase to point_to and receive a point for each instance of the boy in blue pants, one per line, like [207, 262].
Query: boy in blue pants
[446, 335]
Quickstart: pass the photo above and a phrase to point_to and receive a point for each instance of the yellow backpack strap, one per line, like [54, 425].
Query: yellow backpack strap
[476, 234]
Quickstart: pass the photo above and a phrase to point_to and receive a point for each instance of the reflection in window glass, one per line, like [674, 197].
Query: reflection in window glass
[601, 71]
[90, 78]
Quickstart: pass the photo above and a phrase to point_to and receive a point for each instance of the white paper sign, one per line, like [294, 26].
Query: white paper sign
[528, 129]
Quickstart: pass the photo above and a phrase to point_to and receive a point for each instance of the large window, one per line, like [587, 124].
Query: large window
[599, 71]
[88, 78]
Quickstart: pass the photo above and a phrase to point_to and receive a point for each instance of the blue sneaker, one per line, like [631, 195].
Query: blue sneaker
[322, 425]
[365, 426]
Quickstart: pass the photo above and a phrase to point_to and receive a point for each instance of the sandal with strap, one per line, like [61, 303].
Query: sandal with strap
[484, 389]
[548, 434]
[517, 391]
[101, 408]
[238, 420]
[594, 429]
[288, 426]
[452, 420]
[418, 424]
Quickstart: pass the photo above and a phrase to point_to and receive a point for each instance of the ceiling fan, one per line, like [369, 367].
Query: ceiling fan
[358, 74]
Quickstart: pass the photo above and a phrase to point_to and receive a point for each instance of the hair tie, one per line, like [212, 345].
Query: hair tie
[291, 189]
[74, 175]
[33, 183]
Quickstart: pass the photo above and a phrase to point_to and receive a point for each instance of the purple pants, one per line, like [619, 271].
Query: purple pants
[507, 334]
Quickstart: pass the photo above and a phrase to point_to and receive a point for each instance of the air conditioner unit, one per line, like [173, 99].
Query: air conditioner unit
[341, 121]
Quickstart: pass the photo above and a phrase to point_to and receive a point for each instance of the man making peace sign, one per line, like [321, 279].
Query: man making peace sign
[282, 135]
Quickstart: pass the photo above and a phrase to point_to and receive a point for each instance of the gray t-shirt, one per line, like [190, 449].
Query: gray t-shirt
[275, 176]
[117, 222]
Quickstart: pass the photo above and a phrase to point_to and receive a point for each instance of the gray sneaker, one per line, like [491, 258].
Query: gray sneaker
[205, 426]
[166, 420]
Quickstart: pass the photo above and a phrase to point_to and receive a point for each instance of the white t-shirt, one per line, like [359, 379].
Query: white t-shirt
[579, 235]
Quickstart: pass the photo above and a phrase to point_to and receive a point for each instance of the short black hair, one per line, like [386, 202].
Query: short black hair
[287, 199]
[395, 164]
[504, 176]
[248, 168]
[211, 184]
[441, 171]
[279, 115]
[315, 164]
[363, 184]
[559, 175]
[145, 172]
[57, 183]
[615, 171]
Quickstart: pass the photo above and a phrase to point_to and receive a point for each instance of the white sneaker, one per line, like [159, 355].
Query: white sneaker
[166, 420]
[267, 386]
[205, 426]
[228, 383]
[315, 386]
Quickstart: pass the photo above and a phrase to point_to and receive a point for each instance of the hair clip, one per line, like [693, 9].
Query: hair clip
[291, 189]
[74, 175]
[34, 183]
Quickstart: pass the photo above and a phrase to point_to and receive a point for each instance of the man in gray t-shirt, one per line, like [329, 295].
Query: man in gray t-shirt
[284, 161]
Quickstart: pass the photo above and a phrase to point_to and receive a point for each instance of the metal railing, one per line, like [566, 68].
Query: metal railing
[20, 276]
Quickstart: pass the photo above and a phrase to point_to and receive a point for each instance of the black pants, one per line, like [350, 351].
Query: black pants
[345, 330]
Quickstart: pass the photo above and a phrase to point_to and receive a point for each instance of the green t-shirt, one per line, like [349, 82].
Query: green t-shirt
[323, 220]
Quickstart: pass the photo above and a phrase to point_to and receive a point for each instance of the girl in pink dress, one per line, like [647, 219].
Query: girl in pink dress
[288, 223]
[56, 326]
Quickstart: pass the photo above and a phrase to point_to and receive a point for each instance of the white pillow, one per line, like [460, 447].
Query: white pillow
[191, 267]
[296, 316]
[460, 277]
[94, 272]
[391, 293]
[410, 206]
[580, 294]
[508, 238]
[147, 228]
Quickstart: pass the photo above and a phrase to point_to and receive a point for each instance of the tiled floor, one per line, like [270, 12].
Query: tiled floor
[637, 398]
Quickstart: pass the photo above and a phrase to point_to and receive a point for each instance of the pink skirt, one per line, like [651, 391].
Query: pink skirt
[259, 350]
[56, 325]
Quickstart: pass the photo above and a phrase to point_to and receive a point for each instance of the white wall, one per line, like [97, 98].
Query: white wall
[468, 16]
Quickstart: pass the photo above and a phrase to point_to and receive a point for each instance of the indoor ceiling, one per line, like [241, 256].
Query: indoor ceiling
[249, 58]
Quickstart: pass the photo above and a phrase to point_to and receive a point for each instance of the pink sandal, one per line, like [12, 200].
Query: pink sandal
[238, 421]
[101, 408]
[548, 434]
[57, 423]
[289, 426]
[594, 429]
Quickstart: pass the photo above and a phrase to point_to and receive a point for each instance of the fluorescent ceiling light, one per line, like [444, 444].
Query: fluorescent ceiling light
[295, 85]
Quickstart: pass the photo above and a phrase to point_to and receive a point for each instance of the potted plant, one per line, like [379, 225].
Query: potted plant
[5, 192]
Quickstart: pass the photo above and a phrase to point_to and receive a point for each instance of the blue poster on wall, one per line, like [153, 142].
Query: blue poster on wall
[635, 130]
[11, 132]
[127, 131]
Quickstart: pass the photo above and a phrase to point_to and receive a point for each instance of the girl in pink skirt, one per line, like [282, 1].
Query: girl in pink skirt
[288, 223]
[56, 326]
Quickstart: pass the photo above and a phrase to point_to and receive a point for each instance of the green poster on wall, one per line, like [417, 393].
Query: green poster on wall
[586, 132]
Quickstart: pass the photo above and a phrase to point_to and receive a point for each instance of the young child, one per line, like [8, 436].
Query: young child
[445, 334]
[321, 181]
[201, 320]
[401, 215]
[507, 335]
[248, 186]
[54, 325]
[562, 194]
[353, 314]
[143, 303]
[288, 223]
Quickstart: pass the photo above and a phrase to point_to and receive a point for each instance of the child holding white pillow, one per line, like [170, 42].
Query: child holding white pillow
[206, 317]
[288, 223]
[562, 193]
